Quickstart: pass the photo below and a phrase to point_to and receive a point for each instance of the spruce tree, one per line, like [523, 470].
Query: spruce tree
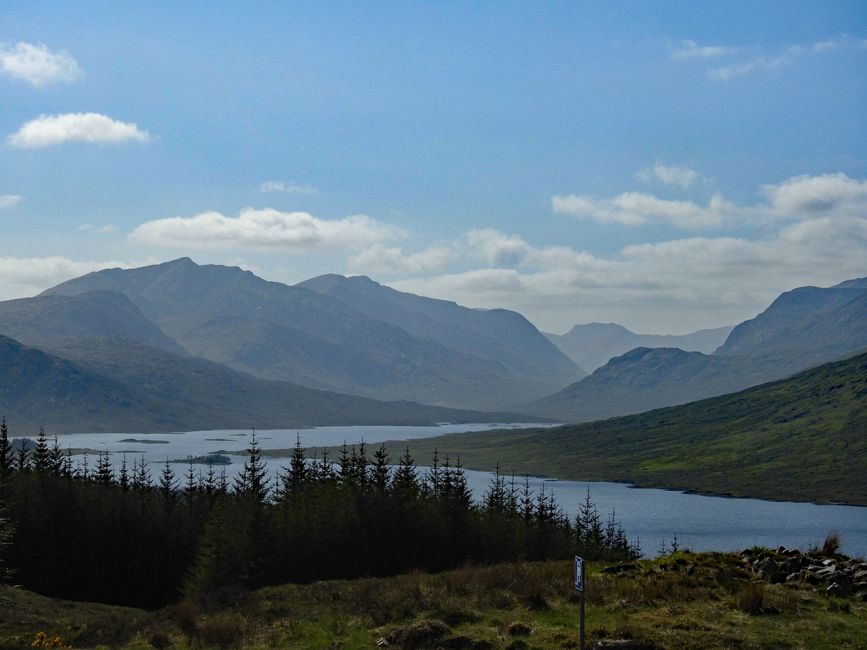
[380, 473]
[405, 481]
[40, 453]
[252, 482]
[5, 449]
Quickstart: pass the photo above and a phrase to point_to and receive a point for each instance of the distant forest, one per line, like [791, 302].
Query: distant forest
[119, 535]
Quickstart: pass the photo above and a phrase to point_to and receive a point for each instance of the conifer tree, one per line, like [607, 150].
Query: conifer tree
[495, 497]
[380, 473]
[6, 452]
[405, 480]
[168, 485]
[56, 459]
[123, 476]
[292, 478]
[103, 474]
[252, 482]
[40, 453]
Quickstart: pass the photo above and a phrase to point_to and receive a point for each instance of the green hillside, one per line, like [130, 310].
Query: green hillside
[802, 438]
[119, 385]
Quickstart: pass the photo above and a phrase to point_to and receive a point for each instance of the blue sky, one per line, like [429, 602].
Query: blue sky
[668, 165]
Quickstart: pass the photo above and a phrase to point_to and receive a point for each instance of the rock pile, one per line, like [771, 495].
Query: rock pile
[836, 575]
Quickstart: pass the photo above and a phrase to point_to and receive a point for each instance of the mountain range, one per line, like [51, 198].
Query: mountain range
[592, 345]
[181, 345]
[366, 340]
[801, 328]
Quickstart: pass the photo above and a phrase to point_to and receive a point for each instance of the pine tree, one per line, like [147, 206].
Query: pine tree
[56, 459]
[6, 451]
[252, 482]
[495, 498]
[168, 485]
[123, 477]
[103, 474]
[293, 478]
[380, 473]
[40, 453]
[190, 487]
[405, 481]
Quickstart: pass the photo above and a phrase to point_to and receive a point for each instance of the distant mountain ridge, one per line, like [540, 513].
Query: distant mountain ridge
[800, 329]
[499, 335]
[296, 334]
[592, 345]
[123, 386]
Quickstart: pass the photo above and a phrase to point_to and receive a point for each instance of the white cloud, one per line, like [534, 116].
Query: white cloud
[93, 128]
[37, 65]
[393, 259]
[87, 227]
[27, 276]
[691, 50]
[288, 187]
[9, 201]
[266, 228]
[801, 197]
[669, 175]
[637, 208]
[829, 194]
[783, 58]
[671, 286]
[498, 249]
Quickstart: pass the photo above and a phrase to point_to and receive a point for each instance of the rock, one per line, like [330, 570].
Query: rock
[777, 577]
[518, 629]
[765, 567]
[829, 562]
[382, 642]
[794, 577]
[840, 589]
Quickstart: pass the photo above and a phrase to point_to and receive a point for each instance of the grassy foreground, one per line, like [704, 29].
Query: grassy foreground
[682, 601]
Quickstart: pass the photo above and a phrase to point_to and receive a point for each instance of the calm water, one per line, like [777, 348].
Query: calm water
[700, 522]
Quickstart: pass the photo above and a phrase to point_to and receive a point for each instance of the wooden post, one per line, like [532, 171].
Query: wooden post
[581, 625]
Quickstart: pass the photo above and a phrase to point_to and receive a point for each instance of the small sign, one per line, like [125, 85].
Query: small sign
[579, 573]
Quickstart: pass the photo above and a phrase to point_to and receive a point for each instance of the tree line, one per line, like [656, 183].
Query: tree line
[118, 534]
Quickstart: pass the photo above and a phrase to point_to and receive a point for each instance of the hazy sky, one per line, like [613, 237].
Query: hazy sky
[669, 166]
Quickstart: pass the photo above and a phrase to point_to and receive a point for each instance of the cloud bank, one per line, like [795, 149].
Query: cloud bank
[37, 65]
[265, 228]
[93, 128]
[801, 197]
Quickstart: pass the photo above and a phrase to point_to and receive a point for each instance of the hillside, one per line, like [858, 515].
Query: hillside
[800, 329]
[499, 335]
[592, 345]
[802, 438]
[805, 319]
[114, 385]
[294, 334]
[649, 378]
[51, 320]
